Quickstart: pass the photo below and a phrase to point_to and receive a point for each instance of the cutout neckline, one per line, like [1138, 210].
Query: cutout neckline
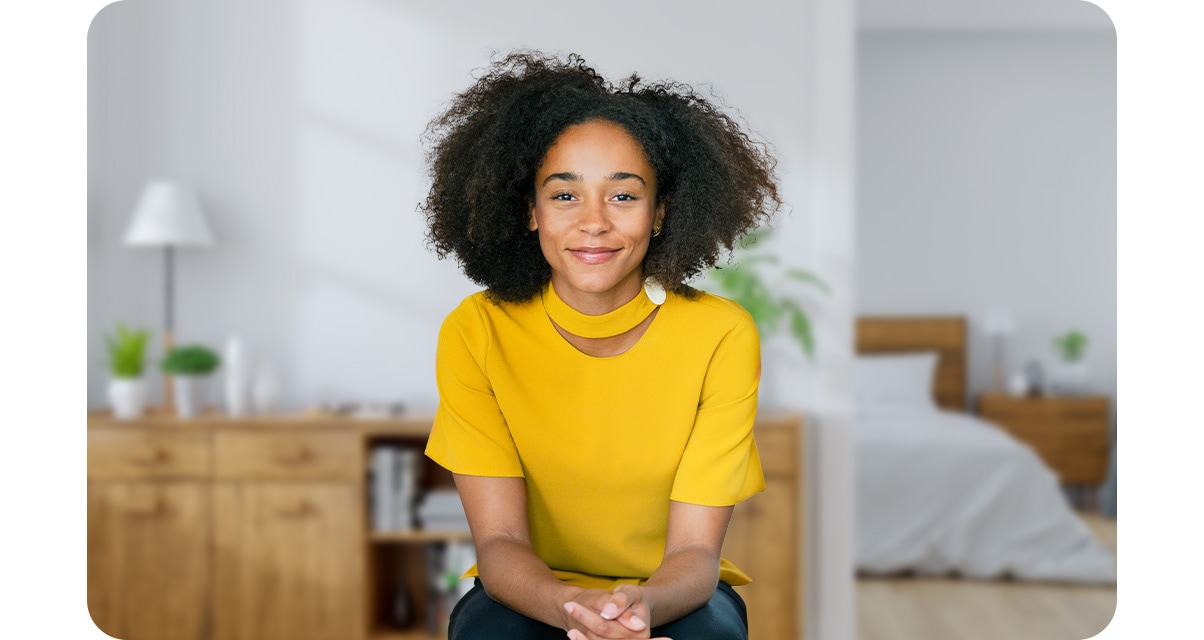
[621, 320]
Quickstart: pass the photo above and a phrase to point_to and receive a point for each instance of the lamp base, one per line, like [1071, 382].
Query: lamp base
[169, 399]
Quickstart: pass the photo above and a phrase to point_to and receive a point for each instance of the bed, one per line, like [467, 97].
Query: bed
[941, 491]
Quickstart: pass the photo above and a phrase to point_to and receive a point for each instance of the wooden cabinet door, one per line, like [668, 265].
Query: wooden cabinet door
[764, 537]
[762, 540]
[287, 561]
[148, 559]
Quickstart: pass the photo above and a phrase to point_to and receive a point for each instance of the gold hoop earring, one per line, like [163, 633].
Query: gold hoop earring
[656, 231]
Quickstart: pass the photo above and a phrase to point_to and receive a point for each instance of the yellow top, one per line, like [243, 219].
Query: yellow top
[604, 443]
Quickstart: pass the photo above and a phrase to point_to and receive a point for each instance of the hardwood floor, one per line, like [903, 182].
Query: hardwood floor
[948, 609]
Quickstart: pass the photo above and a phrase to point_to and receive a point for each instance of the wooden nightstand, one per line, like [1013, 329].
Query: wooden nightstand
[1071, 434]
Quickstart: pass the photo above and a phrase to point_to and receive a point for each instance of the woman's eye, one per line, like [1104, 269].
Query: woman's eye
[563, 196]
[624, 197]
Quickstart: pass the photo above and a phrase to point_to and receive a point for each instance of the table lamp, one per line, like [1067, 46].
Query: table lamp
[168, 215]
[998, 325]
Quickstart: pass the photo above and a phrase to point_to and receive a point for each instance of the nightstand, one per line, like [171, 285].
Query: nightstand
[1070, 434]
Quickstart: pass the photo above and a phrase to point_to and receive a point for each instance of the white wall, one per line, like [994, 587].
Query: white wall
[298, 123]
[987, 178]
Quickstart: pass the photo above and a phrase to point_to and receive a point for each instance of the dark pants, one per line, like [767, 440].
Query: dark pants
[478, 617]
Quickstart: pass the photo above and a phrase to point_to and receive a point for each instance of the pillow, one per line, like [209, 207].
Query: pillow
[895, 380]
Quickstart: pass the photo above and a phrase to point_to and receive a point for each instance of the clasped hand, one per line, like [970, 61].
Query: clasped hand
[594, 614]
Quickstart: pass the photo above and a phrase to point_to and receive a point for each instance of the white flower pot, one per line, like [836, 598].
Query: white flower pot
[189, 391]
[128, 397]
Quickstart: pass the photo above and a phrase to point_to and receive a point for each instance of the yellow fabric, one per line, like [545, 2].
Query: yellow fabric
[603, 443]
[621, 320]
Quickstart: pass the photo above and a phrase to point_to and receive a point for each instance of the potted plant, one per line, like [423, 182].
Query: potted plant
[189, 367]
[1072, 374]
[768, 305]
[127, 359]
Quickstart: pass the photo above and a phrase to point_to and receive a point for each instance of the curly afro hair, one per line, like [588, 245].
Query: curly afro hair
[717, 183]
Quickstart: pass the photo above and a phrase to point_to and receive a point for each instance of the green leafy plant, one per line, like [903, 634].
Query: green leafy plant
[190, 360]
[127, 351]
[1071, 345]
[746, 284]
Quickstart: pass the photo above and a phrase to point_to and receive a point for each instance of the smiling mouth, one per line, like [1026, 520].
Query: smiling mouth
[593, 255]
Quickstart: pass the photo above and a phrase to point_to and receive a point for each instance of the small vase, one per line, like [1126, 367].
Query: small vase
[128, 397]
[189, 391]
[266, 391]
[1018, 385]
[1072, 378]
[237, 377]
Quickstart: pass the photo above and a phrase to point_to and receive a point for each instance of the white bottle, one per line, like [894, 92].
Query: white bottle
[267, 388]
[237, 377]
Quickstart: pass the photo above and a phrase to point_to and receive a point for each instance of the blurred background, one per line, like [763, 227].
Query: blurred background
[937, 157]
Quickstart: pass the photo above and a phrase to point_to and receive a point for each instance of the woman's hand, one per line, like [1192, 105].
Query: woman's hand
[594, 614]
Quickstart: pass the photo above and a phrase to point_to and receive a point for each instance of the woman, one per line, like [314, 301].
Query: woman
[595, 411]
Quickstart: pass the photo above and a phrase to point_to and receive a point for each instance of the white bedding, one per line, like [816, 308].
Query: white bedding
[942, 492]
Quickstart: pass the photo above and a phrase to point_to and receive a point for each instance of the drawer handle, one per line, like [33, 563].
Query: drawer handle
[160, 456]
[159, 509]
[303, 509]
[303, 456]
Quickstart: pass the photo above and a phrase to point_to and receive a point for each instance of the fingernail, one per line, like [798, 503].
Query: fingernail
[637, 623]
[609, 611]
[568, 606]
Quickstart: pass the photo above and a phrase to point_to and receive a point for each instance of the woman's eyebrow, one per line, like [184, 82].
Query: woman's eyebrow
[620, 175]
[572, 177]
[564, 175]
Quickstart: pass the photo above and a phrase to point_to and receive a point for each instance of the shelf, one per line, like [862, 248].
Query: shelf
[418, 536]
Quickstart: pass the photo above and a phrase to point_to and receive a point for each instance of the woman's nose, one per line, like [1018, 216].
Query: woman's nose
[594, 217]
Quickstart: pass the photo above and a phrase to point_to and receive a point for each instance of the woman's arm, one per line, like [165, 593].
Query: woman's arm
[509, 569]
[513, 575]
[686, 577]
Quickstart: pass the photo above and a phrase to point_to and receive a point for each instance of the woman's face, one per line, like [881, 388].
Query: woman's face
[594, 209]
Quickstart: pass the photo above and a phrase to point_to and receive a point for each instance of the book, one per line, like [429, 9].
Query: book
[405, 482]
[383, 470]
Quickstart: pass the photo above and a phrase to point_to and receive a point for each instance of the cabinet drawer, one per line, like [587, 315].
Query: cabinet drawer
[134, 454]
[779, 451]
[300, 454]
[1066, 429]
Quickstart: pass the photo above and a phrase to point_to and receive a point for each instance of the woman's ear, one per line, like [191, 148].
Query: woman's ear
[532, 225]
[658, 220]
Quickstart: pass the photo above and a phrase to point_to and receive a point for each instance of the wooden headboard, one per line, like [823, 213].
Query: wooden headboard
[944, 334]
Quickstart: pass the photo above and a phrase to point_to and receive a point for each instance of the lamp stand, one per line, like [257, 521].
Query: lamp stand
[169, 338]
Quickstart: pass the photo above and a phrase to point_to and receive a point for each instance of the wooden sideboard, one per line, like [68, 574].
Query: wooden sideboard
[218, 528]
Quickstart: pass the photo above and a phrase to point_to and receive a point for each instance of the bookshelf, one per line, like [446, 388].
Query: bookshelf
[398, 561]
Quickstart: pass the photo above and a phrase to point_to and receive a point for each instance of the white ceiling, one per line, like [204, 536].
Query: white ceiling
[982, 14]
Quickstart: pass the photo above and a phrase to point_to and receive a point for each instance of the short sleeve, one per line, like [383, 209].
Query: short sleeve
[469, 436]
[720, 465]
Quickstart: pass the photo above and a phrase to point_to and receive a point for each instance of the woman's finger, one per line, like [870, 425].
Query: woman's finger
[616, 604]
[592, 622]
[628, 608]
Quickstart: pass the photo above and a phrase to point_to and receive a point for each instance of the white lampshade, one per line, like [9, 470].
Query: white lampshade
[168, 214]
[998, 323]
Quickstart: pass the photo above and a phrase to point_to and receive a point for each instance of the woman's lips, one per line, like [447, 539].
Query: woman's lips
[594, 255]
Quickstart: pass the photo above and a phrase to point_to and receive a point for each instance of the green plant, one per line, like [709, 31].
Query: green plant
[127, 352]
[190, 360]
[746, 284]
[1071, 345]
